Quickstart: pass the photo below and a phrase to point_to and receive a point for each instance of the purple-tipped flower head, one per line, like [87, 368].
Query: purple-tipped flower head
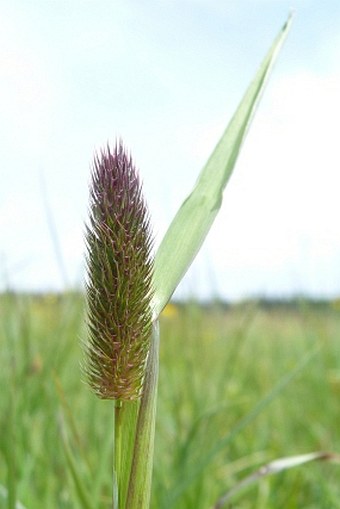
[119, 267]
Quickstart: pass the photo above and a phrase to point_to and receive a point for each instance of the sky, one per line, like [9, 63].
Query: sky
[166, 77]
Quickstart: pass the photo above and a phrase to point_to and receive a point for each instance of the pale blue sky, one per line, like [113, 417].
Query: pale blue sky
[166, 76]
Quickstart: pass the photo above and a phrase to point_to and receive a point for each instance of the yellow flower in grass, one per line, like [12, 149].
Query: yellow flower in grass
[170, 311]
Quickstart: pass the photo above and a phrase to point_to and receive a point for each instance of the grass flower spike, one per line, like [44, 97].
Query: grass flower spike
[119, 267]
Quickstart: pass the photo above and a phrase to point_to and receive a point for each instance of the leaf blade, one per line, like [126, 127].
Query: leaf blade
[275, 467]
[139, 489]
[193, 220]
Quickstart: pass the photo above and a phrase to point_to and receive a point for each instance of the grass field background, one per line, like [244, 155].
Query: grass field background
[239, 386]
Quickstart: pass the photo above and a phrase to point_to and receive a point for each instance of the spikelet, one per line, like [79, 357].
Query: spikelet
[119, 272]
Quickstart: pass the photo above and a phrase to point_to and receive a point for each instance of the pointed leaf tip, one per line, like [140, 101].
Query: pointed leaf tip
[193, 220]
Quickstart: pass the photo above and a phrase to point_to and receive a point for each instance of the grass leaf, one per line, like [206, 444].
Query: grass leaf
[141, 472]
[275, 467]
[193, 220]
[126, 416]
[4, 496]
[207, 457]
[82, 493]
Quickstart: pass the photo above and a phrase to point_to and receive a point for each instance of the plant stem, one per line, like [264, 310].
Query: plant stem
[116, 455]
[139, 490]
[125, 421]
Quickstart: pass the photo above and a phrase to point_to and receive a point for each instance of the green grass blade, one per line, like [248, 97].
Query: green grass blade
[274, 467]
[209, 455]
[193, 220]
[141, 472]
[4, 496]
[70, 419]
[11, 443]
[82, 493]
[83, 496]
[126, 415]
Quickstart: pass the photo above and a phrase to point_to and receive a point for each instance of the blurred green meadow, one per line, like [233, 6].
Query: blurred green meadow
[239, 386]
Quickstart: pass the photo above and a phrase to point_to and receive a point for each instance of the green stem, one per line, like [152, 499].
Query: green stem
[139, 490]
[116, 454]
[125, 420]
